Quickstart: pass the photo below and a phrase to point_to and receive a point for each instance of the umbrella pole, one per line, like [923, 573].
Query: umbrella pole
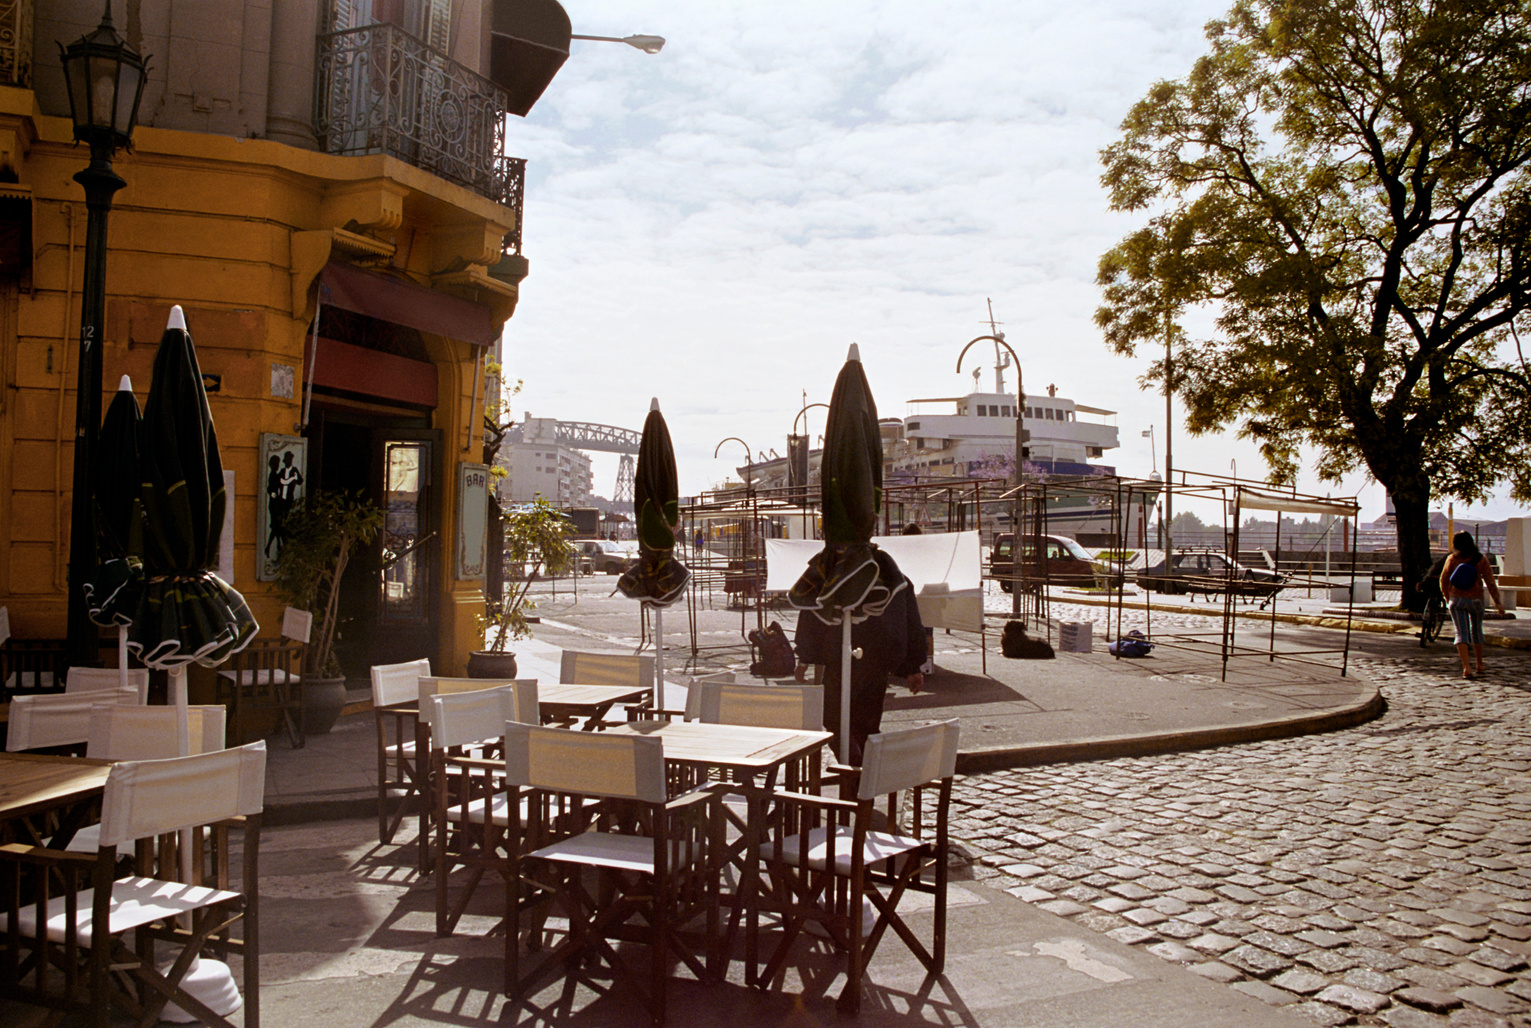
[122, 653]
[845, 687]
[183, 747]
[658, 658]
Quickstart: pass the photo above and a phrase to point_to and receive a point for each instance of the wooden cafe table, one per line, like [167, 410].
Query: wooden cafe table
[33, 784]
[754, 757]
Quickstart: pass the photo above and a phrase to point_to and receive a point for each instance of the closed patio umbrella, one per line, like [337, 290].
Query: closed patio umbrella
[112, 592]
[659, 578]
[846, 582]
[185, 612]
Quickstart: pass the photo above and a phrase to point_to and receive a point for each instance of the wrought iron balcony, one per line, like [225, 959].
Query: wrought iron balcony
[15, 42]
[380, 90]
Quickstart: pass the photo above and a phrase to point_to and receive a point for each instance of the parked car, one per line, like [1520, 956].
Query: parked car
[1209, 571]
[1064, 562]
[606, 556]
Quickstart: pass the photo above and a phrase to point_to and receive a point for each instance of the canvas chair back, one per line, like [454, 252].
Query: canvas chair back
[796, 708]
[96, 679]
[59, 719]
[585, 668]
[435, 685]
[297, 625]
[145, 798]
[149, 733]
[461, 719]
[587, 763]
[895, 761]
[393, 684]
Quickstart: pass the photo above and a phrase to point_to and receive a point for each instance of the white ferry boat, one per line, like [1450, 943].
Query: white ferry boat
[973, 436]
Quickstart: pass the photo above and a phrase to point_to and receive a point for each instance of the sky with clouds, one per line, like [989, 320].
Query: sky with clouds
[714, 224]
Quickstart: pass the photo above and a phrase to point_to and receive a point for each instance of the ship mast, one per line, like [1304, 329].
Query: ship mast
[1001, 358]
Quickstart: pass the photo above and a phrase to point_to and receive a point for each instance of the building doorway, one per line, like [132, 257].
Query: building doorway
[389, 598]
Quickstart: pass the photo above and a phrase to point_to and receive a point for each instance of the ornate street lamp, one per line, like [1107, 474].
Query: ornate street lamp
[105, 78]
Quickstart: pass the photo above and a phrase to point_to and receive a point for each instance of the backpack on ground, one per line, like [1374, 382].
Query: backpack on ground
[1133, 644]
[1464, 576]
[774, 651]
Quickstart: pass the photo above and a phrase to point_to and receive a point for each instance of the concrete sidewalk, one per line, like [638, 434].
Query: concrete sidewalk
[349, 927]
[347, 923]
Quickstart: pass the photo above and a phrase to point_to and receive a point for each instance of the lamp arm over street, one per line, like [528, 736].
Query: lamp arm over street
[648, 44]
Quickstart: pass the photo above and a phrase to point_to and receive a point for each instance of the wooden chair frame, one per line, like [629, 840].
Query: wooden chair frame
[395, 704]
[268, 675]
[470, 798]
[53, 956]
[602, 841]
[825, 855]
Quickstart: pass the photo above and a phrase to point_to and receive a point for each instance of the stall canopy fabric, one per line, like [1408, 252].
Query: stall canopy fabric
[403, 302]
[1252, 499]
[944, 568]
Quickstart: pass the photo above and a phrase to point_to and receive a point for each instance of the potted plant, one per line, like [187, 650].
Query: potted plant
[322, 534]
[536, 539]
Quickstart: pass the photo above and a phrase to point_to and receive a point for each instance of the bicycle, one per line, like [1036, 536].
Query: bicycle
[1431, 620]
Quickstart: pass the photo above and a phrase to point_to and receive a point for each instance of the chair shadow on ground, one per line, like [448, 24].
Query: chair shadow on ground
[456, 980]
[463, 989]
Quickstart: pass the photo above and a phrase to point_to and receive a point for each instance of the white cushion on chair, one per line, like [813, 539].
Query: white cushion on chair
[135, 902]
[473, 812]
[268, 676]
[602, 849]
[880, 846]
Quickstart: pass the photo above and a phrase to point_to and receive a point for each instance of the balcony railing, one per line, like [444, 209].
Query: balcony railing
[380, 90]
[15, 42]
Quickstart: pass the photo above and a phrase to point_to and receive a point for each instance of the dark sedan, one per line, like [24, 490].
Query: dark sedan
[1208, 572]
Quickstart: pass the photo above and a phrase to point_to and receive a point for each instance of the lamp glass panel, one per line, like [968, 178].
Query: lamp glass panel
[76, 75]
[103, 91]
[130, 85]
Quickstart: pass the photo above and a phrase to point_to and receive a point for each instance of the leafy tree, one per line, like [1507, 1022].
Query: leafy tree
[1343, 184]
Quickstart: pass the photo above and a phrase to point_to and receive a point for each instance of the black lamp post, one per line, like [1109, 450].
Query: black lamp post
[105, 78]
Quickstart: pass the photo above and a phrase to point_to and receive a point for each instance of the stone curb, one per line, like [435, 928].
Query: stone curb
[1109, 747]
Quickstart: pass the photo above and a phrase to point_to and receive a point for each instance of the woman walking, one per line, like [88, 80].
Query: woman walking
[1463, 578]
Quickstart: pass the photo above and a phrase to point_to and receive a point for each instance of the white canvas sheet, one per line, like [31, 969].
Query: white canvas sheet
[945, 568]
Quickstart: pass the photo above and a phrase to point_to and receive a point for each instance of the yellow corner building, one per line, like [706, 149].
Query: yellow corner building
[322, 186]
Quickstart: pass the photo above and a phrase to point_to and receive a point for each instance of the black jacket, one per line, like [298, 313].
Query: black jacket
[893, 643]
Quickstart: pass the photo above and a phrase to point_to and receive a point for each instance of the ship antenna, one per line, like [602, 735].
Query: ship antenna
[1001, 360]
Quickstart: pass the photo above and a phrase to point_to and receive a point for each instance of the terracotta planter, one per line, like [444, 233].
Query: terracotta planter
[484, 664]
[323, 700]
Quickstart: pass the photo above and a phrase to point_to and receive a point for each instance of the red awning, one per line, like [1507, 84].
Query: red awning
[528, 43]
[402, 302]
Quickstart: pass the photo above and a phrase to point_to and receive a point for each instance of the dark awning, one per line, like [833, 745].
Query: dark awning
[402, 302]
[528, 43]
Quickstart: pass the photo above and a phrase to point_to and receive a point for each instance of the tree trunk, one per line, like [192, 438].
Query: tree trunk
[494, 569]
[1413, 517]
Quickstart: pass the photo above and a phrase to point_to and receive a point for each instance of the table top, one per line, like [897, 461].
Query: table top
[572, 694]
[32, 782]
[731, 746]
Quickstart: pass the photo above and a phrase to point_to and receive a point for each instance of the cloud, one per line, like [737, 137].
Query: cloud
[714, 224]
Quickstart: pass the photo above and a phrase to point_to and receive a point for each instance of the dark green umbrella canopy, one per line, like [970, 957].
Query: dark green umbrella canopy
[186, 612]
[659, 577]
[112, 592]
[849, 575]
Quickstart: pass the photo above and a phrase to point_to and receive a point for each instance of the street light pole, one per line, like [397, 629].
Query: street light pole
[1021, 437]
[105, 78]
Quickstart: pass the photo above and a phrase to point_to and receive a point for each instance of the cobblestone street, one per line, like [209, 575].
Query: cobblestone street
[1376, 875]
